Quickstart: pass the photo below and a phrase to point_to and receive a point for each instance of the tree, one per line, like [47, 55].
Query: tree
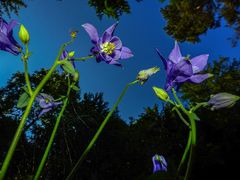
[8, 6]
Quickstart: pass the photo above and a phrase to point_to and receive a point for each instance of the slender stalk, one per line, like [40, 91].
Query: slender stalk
[44, 158]
[27, 77]
[193, 132]
[20, 128]
[189, 164]
[95, 137]
[83, 58]
[181, 117]
[185, 152]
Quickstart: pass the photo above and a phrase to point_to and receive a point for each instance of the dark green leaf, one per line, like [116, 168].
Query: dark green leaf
[23, 100]
[75, 88]
[68, 67]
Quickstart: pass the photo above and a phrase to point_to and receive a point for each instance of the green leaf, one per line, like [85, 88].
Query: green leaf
[75, 88]
[25, 89]
[195, 117]
[68, 67]
[23, 100]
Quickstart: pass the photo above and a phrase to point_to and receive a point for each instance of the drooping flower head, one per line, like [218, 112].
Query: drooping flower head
[145, 74]
[107, 48]
[182, 69]
[159, 163]
[222, 100]
[7, 42]
[46, 102]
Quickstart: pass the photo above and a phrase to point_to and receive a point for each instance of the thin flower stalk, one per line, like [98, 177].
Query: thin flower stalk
[95, 137]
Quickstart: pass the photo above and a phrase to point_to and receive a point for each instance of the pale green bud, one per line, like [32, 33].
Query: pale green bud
[161, 94]
[144, 75]
[23, 35]
[71, 54]
[76, 76]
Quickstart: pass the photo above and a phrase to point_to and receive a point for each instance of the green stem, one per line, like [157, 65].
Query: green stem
[185, 152]
[44, 158]
[27, 77]
[202, 104]
[95, 137]
[189, 164]
[20, 128]
[193, 131]
[181, 117]
[83, 58]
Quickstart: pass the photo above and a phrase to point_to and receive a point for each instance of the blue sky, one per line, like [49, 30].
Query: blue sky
[142, 31]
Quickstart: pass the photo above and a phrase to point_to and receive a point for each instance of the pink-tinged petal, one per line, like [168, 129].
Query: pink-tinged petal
[92, 32]
[199, 62]
[108, 33]
[11, 25]
[117, 42]
[175, 56]
[198, 78]
[126, 53]
[163, 60]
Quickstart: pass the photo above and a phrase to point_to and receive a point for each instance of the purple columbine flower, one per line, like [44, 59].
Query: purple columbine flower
[7, 42]
[46, 102]
[182, 69]
[222, 100]
[107, 48]
[159, 163]
[64, 55]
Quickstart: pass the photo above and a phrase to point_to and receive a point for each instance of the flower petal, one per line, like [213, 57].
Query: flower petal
[117, 42]
[184, 67]
[163, 60]
[92, 32]
[198, 78]
[126, 53]
[44, 111]
[11, 25]
[116, 55]
[181, 79]
[199, 62]
[108, 33]
[175, 56]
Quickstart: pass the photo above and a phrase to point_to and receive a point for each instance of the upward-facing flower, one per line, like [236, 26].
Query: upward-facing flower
[107, 48]
[7, 42]
[159, 163]
[182, 69]
[46, 102]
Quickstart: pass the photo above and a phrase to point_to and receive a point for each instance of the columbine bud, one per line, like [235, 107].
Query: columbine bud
[76, 76]
[161, 93]
[71, 54]
[222, 100]
[144, 75]
[23, 35]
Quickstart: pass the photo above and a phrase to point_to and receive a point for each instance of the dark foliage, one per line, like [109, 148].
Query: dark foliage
[8, 6]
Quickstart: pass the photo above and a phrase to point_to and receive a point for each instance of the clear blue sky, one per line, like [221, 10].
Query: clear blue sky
[142, 31]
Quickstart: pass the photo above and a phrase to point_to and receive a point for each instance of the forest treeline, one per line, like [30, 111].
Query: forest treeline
[123, 150]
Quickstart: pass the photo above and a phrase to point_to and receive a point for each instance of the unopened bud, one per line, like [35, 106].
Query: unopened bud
[23, 35]
[161, 94]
